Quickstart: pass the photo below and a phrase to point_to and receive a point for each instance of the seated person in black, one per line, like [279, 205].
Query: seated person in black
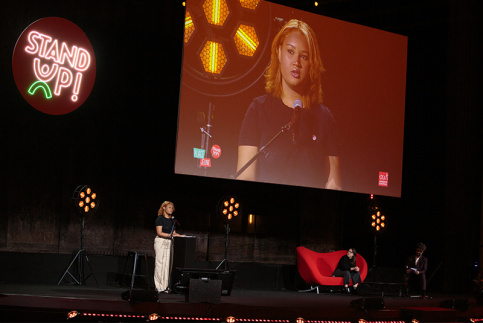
[415, 274]
[348, 269]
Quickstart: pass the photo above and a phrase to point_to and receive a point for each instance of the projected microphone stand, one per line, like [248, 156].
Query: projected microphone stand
[205, 134]
[285, 128]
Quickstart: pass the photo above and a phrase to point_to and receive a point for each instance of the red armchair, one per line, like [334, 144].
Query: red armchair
[316, 268]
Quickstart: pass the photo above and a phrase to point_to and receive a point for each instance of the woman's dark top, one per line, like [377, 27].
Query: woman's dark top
[167, 224]
[345, 264]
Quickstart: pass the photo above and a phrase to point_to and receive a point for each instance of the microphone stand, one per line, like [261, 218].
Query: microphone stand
[168, 288]
[285, 128]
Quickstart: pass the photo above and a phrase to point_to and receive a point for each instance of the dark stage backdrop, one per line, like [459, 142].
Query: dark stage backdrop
[122, 142]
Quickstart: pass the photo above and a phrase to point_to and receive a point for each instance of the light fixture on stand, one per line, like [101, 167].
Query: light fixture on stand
[228, 208]
[377, 222]
[86, 203]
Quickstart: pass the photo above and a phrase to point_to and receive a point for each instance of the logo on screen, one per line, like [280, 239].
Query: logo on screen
[205, 162]
[198, 153]
[54, 65]
[215, 151]
[383, 179]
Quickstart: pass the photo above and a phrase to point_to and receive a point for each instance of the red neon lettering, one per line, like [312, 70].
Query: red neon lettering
[53, 51]
[70, 55]
[64, 79]
[44, 73]
[83, 60]
[77, 57]
[36, 48]
[78, 79]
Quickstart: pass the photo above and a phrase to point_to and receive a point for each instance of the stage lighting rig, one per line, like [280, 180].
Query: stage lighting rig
[86, 203]
[378, 220]
[226, 45]
[229, 207]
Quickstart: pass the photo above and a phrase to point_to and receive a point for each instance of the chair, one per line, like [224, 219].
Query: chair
[316, 268]
[133, 258]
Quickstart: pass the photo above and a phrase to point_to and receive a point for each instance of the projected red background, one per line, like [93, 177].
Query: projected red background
[363, 83]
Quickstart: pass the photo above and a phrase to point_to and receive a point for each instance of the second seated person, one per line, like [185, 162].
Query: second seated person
[347, 268]
[309, 154]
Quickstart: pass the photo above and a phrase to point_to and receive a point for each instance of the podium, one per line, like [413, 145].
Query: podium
[184, 255]
[184, 252]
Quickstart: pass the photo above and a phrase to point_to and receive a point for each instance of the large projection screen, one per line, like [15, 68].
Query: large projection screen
[227, 49]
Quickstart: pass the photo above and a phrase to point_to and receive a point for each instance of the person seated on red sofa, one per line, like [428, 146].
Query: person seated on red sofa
[347, 268]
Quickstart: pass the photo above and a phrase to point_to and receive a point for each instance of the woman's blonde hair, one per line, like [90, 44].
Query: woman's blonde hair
[161, 209]
[273, 75]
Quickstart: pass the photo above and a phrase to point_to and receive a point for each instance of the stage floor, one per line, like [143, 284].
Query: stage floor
[53, 302]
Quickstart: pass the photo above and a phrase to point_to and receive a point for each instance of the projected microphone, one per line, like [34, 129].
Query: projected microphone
[297, 111]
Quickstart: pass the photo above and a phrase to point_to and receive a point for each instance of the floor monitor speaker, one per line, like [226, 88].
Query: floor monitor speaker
[204, 291]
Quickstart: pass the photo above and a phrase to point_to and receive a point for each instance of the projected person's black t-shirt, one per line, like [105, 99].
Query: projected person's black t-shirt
[303, 163]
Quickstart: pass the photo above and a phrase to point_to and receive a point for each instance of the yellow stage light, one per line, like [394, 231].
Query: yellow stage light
[246, 40]
[378, 220]
[72, 314]
[153, 317]
[249, 4]
[216, 11]
[189, 27]
[84, 197]
[213, 57]
[229, 208]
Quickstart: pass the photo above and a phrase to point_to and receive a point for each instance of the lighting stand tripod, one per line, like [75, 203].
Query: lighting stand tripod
[81, 255]
[225, 260]
[373, 270]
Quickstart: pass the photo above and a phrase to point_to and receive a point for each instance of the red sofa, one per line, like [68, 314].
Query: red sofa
[316, 268]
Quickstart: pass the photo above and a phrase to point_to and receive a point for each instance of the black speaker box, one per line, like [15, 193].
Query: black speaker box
[136, 295]
[204, 291]
[369, 303]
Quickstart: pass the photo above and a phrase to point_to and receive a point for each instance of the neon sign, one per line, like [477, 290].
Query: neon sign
[54, 65]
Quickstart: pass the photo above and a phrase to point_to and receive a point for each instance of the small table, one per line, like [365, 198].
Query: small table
[382, 286]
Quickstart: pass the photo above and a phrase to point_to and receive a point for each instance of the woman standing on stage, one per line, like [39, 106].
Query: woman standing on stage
[347, 268]
[165, 232]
